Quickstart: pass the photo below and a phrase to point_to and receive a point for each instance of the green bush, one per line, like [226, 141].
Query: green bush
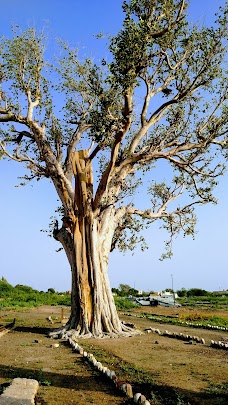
[5, 286]
[24, 296]
[124, 303]
[197, 292]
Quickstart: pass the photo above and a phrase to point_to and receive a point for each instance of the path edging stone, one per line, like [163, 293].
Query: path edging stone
[22, 391]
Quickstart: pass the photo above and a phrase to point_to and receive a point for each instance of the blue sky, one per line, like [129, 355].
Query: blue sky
[27, 255]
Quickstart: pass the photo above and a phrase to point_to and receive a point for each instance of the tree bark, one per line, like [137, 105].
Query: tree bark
[86, 237]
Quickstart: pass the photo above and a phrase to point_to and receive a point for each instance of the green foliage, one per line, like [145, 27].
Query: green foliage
[124, 303]
[23, 66]
[125, 290]
[219, 392]
[209, 301]
[24, 296]
[51, 290]
[197, 319]
[25, 289]
[160, 97]
[182, 293]
[128, 235]
[197, 292]
[5, 287]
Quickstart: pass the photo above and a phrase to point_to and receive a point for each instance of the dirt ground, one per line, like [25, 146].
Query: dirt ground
[167, 371]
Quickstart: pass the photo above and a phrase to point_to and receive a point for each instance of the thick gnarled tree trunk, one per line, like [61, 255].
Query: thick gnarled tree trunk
[86, 236]
[93, 310]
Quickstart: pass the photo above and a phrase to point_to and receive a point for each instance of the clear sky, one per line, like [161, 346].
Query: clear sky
[27, 255]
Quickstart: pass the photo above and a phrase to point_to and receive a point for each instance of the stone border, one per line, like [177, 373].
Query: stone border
[176, 335]
[219, 345]
[181, 323]
[126, 388]
[188, 338]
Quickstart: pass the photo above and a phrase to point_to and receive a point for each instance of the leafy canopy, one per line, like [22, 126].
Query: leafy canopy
[158, 101]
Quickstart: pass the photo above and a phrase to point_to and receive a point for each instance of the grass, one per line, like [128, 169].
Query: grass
[141, 380]
[195, 319]
[209, 301]
[204, 318]
[124, 303]
[219, 389]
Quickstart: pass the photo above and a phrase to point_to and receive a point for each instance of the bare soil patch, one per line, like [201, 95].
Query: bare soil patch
[167, 371]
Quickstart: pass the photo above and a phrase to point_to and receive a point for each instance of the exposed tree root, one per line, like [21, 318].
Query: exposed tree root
[67, 331]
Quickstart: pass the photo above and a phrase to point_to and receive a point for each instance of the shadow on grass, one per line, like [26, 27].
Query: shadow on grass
[35, 329]
[166, 395]
[158, 393]
[48, 378]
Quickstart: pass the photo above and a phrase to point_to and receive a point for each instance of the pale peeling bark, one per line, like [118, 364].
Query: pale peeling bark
[93, 311]
[86, 238]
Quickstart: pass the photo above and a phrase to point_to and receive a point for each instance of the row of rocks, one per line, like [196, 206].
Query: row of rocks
[188, 338]
[138, 398]
[208, 326]
[184, 323]
[176, 335]
[219, 344]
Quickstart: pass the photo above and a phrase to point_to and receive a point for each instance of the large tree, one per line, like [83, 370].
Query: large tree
[160, 97]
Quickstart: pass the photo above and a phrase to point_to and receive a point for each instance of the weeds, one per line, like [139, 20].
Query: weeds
[195, 320]
[124, 304]
[26, 297]
[203, 317]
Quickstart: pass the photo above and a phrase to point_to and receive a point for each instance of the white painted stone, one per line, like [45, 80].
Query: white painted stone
[112, 374]
[108, 373]
[123, 387]
[136, 397]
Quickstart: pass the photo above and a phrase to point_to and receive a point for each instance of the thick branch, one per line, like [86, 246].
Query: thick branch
[161, 212]
[7, 116]
[31, 105]
[115, 149]
[71, 148]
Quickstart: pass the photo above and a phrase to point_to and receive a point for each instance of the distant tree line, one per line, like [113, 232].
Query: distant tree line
[198, 292]
[125, 290]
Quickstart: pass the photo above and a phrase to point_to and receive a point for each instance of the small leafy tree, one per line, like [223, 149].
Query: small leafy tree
[125, 290]
[160, 98]
[197, 292]
[182, 293]
[5, 286]
[51, 290]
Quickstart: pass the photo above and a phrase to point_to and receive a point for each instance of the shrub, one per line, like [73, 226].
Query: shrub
[5, 286]
[124, 303]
